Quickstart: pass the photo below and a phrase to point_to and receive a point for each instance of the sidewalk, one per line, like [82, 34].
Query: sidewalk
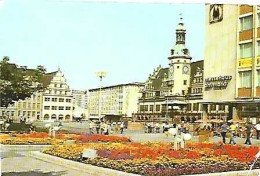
[84, 168]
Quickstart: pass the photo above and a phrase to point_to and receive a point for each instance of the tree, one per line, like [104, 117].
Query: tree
[17, 82]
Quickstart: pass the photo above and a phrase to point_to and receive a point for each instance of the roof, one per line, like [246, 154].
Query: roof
[157, 82]
[194, 66]
[46, 80]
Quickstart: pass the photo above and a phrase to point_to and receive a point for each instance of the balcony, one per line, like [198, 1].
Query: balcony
[245, 9]
[244, 92]
[246, 35]
[258, 91]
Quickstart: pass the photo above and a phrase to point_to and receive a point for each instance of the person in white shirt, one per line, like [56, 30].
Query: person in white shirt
[257, 127]
[122, 127]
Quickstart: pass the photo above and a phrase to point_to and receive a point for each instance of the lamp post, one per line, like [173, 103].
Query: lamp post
[101, 75]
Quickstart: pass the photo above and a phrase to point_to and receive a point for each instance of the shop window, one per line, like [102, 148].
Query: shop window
[246, 23]
[246, 50]
[245, 79]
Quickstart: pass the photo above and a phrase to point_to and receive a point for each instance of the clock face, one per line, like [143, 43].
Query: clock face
[215, 13]
[185, 69]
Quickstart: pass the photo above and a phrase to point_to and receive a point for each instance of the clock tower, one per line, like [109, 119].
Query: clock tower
[179, 66]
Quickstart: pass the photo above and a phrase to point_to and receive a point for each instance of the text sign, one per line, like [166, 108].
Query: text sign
[219, 82]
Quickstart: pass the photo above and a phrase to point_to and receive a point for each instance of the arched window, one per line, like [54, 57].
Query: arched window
[60, 117]
[67, 117]
[53, 116]
[46, 116]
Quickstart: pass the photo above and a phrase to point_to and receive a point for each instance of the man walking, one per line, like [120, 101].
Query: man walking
[224, 129]
[248, 133]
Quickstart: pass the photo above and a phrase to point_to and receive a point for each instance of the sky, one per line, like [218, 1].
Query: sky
[127, 40]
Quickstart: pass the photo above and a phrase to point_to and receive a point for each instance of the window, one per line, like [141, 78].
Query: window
[68, 100]
[212, 107]
[245, 79]
[38, 105]
[246, 50]
[178, 66]
[68, 108]
[185, 82]
[157, 107]
[151, 107]
[183, 92]
[258, 48]
[146, 107]
[54, 99]
[189, 107]
[61, 99]
[47, 99]
[61, 107]
[246, 23]
[54, 108]
[221, 107]
[195, 107]
[258, 78]
[47, 107]
[258, 19]
[141, 107]
[34, 105]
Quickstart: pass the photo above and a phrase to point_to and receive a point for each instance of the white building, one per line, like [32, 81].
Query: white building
[80, 103]
[118, 100]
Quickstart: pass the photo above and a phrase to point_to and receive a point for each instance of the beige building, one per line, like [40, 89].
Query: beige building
[54, 102]
[173, 93]
[80, 103]
[117, 100]
[232, 60]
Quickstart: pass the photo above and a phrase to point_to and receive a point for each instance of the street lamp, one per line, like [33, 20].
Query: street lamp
[101, 75]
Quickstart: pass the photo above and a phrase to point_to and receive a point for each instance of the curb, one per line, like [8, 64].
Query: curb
[85, 168]
[255, 172]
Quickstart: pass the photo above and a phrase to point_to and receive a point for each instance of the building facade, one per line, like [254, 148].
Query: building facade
[80, 103]
[117, 100]
[173, 93]
[54, 102]
[232, 61]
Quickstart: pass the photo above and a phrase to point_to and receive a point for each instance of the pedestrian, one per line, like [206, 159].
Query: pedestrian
[224, 128]
[91, 126]
[163, 127]
[232, 129]
[257, 127]
[248, 133]
[157, 127]
[97, 127]
[105, 126]
[122, 127]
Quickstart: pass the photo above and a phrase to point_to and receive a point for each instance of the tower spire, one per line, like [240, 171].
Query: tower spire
[180, 31]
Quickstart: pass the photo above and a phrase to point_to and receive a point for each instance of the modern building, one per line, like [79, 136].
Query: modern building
[232, 61]
[80, 103]
[173, 93]
[116, 100]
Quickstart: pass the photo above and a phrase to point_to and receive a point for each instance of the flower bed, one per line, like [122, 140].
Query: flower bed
[160, 159]
[44, 138]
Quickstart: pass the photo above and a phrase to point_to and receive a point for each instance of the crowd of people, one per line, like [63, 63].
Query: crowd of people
[156, 127]
[248, 131]
[106, 128]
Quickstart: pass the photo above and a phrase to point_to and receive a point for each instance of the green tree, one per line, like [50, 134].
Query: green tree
[18, 82]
